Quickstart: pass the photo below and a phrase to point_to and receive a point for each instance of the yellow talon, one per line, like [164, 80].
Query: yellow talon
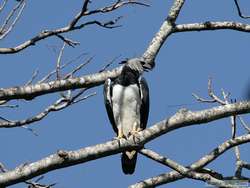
[120, 134]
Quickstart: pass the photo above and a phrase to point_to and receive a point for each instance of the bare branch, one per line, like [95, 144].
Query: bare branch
[9, 106]
[63, 159]
[203, 100]
[3, 5]
[48, 76]
[244, 124]
[2, 168]
[116, 5]
[31, 91]
[34, 75]
[186, 172]
[212, 95]
[205, 160]
[5, 31]
[109, 64]
[163, 33]
[239, 11]
[58, 63]
[79, 67]
[239, 166]
[68, 41]
[72, 25]
[206, 26]
[60, 104]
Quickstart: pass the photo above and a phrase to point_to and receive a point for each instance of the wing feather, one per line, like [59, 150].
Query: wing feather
[144, 111]
[107, 93]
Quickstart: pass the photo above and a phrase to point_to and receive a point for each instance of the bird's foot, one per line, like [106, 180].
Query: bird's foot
[134, 132]
[120, 135]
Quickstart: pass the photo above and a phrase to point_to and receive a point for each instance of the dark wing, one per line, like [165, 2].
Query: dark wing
[144, 91]
[107, 93]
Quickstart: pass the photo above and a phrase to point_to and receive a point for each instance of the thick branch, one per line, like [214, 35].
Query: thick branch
[180, 119]
[165, 30]
[31, 91]
[206, 26]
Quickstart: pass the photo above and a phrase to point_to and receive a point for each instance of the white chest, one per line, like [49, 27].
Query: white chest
[126, 106]
[126, 96]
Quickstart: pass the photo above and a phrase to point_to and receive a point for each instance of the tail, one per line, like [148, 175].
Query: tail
[129, 161]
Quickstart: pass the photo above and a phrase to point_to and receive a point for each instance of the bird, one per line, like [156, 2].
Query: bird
[127, 104]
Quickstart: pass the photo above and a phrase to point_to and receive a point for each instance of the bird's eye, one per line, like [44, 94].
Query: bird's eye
[123, 62]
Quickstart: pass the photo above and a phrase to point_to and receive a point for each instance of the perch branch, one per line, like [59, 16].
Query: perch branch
[181, 119]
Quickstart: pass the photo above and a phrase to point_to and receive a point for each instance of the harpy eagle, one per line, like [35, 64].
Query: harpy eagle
[127, 104]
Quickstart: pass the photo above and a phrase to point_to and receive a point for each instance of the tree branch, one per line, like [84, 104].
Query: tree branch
[72, 25]
[4, 31]
[181, 119]
[202, 162]
[239, 11]
[60, 104]
[206, 26]
[165, 30]
[205, 176]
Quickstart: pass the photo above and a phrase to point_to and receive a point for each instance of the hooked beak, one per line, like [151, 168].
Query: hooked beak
[148, 66]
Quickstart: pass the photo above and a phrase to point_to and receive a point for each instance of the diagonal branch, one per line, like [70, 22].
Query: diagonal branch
[4, 31]
[181, 119]
[209, 177]
[163, 33]
[239, 11]
[60, 104]
[3, 5]
[202, 162]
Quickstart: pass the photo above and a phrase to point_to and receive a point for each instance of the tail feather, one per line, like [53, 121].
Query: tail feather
[128, 160]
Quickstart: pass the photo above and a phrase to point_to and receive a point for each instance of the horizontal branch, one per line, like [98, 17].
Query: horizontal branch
[181, 119]
[31, 91]
[204, 26]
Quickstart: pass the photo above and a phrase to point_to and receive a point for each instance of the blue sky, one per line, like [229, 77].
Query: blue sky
[183, 67]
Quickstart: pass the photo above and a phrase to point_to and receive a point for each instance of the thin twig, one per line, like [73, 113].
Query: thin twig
[2, 168]
[30, 129]
[203, 100]
[48, 76]
[211, 93]
[3, 5]
[79, 67]
[109, 63]
[34, 75]
[4, 32]
[60, 104]
[68, 41]
[58, 63]
[244, 124]
[239, 11]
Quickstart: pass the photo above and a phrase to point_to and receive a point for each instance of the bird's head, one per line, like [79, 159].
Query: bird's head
[138, 65]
